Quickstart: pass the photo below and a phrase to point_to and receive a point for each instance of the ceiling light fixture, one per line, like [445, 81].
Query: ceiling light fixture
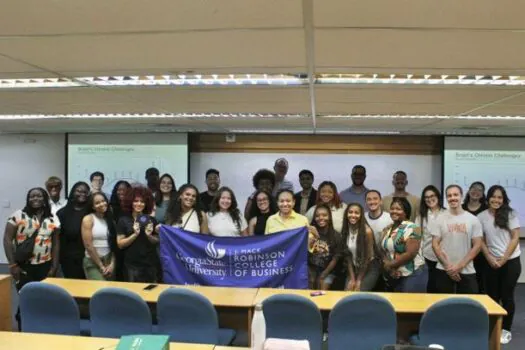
[419, 79]
[148, 116]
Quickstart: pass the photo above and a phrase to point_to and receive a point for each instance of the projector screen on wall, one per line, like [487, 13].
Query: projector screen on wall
[491, 160]
[126, 157]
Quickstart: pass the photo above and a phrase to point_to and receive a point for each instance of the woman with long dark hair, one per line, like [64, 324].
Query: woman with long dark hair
[99, 235]
[475, 201]
[501, 230]
[117, 196]
[225, 218]
[360, 250]
[136, 236]
[406, 270]
[264, 208]
[327, 194]
[325, 252]
[72, 250]
[184, 211]
[430, 210]
[34, 219]
[167, 191]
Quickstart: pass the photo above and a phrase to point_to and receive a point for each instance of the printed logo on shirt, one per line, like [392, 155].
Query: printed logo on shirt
[457, 228]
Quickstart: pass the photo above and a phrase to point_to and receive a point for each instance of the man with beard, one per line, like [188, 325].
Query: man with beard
[357, 192]
[54, 187]
[213, 181]
[376, 218]
[456, 240]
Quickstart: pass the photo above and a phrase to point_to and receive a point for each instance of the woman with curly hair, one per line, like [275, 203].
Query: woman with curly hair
[117, 196]
[184, 211]
[224, 218]
[501, 229]
[263, 180]
[136, 236]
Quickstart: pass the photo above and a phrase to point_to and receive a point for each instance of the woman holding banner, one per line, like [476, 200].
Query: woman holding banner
[261, 212]
[224, 218]
[184, 211]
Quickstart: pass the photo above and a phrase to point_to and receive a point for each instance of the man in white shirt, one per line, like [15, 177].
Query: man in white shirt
[54, 187]
[400, 182]
[456, 240]
[377, 219]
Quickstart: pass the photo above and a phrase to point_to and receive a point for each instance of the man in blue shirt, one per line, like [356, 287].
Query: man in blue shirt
[357, 192]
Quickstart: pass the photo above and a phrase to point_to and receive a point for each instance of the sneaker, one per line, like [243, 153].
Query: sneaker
[506, 336]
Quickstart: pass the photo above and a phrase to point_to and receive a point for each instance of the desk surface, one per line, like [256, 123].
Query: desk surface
[2, 277]
[28, 341]
[409, 303]
[219, 296]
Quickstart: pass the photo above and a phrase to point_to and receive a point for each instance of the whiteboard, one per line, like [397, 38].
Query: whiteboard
[26, 160]
[126, 157]
[237, 170]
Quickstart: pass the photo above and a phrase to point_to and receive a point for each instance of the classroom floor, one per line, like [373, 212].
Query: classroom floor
[518, 332]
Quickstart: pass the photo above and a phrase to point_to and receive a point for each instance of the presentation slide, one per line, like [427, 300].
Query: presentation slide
[126, 157]
[491, 160]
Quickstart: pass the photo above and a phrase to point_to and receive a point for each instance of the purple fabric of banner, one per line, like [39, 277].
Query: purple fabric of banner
[278, 260]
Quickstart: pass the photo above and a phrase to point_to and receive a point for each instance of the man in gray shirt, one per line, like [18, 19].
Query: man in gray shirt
[357, 192]
[281, 169]
[456, 240]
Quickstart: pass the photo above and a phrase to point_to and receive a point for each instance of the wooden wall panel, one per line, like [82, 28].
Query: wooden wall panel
[332, 144]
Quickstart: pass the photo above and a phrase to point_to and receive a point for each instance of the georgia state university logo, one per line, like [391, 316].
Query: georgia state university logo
[214, 253]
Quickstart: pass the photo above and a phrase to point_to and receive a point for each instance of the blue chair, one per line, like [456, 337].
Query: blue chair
[293, 317]
[455, 323]
[188, 317]
[46, 308]
[116, 312]
[362, 322]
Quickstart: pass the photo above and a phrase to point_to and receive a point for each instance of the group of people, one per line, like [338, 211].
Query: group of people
[358, 239]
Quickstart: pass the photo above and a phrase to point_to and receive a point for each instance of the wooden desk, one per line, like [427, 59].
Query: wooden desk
[27, 341]
[234, 305]
[409, 306]
[6, 315]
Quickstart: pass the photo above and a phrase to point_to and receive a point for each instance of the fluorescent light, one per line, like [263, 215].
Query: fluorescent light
[419, 79]
[158, 80]
[449, 117]
[147, 116]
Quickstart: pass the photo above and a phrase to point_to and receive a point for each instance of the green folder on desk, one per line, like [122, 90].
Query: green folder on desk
[144, 342]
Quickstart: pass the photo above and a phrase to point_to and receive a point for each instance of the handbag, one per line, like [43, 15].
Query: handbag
[24, 249]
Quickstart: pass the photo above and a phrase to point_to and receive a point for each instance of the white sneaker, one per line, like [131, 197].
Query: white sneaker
[506, 336]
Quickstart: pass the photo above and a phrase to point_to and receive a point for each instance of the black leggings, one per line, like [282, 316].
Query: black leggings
[500, 287]
[431, 285]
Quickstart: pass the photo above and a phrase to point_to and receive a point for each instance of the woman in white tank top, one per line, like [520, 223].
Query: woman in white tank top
[184, 211]
[99, 261]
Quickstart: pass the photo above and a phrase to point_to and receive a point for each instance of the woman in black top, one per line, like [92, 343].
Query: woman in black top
[475, 202]
[117, 196]
[136, 236]
[259, 213]
[72, 249]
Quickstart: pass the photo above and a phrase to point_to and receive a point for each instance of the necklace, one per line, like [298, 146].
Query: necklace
[353, 235]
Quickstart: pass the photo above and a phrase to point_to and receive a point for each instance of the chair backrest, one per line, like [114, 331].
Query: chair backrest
[116, 312]
[46, 308]
[362, 322]
[455, 323]
[187, 317]
[290, 316]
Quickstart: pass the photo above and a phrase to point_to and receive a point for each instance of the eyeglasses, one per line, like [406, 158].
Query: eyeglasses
[262, 200]
[430, 197]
